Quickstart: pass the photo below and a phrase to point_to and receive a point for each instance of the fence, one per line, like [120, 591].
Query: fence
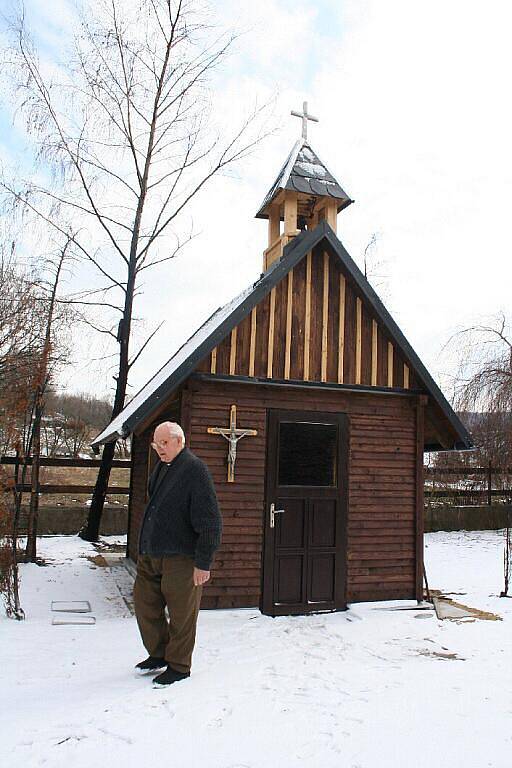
[69, 463]
[468, 486]
[462, 486]
[63, 504]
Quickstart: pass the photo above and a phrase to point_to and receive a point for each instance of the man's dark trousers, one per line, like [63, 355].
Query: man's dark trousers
[167, 581]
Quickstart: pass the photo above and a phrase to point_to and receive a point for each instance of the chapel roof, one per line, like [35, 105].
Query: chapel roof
[303, 171]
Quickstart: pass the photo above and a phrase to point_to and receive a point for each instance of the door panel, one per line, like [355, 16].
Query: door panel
[321, 578]
[305, 552]
[289, 580]
[290, 525]
[322, 530]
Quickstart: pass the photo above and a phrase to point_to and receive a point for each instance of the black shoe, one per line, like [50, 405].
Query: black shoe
[169, 677]
[151, 664]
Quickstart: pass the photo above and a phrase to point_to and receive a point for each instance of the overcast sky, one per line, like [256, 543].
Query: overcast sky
[415, 123]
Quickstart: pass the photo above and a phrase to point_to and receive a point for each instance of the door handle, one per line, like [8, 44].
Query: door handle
[273, 513]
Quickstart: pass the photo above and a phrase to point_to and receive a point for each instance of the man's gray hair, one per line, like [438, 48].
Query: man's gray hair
[174, 429]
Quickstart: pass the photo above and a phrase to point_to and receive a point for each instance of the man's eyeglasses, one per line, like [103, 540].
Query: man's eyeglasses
[163, 444]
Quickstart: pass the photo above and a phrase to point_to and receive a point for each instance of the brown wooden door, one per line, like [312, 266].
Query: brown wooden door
[305, 513]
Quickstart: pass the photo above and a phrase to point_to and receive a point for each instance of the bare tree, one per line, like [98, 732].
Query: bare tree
[484, 379]
[44, 370]
[484, 384]
[129, 128]
[21, 331]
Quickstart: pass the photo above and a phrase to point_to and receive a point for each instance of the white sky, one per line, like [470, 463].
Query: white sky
[415, 123]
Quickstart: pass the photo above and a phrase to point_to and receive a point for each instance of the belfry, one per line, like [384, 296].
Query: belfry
[322, 499]
[304, 194]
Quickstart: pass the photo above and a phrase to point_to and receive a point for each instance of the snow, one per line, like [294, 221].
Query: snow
[358, 689]
[312, 169]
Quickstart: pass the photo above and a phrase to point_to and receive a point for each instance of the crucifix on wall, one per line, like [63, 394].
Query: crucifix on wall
[232, 435]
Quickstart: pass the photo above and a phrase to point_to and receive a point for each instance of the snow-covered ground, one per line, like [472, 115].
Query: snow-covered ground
[361, 689]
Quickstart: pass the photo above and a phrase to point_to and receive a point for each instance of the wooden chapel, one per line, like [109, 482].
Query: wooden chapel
[312, 412]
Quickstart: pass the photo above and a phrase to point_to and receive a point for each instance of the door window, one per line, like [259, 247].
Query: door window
[307, 453]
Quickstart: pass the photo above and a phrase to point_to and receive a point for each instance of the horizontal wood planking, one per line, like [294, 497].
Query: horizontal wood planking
[381, 483]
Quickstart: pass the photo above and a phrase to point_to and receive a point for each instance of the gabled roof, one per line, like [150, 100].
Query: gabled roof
[303, 171]
[224, 319]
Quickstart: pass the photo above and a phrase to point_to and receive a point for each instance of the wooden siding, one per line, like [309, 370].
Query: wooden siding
[299, 325]
[382, 528]
[139, 485]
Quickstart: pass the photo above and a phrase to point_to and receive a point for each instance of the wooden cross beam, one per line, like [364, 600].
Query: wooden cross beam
[305, 117]
[232, 435]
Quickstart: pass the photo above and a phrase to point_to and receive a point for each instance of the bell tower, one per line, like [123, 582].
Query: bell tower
[303, 194]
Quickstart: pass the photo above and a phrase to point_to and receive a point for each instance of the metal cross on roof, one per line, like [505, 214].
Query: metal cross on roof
[305, 117]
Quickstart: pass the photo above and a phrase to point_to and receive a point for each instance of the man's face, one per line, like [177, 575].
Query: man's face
[165, 444]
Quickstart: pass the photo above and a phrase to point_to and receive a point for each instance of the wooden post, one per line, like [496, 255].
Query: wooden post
[270, 349]
[390, 364]
[341, 330]
[359, 321]
[331, 214]
[288, 339]
[406, 376]
[307, 319]
[489, 483]
[325, 316]
[290, 213]
[273, 224]
[374, 353]
[232, 352]
[252, 348]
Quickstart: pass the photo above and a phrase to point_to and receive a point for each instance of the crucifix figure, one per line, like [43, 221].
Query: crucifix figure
[232, 435]
[305, 117]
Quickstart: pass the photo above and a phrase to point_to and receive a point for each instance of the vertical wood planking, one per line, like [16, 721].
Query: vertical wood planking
[325, 317]
[366, 346]
[341, 330]
[390, 364]
[382, 357]
[374, 353]
[406, 376]
[359, 321]
[262, 324]
[288, 341]
[307, 322]
[280, 330]
[333, 321]
[243, 336]
[315, 334]
[349, 355]
[224, 354]
[270, 354]
[398, 369]
[232, 352]
[298, 319]
[213, 367]
[252, 346]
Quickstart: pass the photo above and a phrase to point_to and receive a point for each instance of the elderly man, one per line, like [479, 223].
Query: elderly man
[180, 532]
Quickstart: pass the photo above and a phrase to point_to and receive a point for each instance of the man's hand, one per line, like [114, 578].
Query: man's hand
[200, 577]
